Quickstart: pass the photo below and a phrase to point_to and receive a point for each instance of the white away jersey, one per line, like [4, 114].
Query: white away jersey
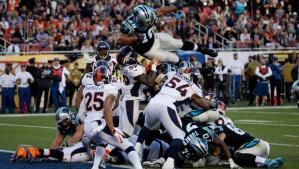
[177, 90]
[87, 79]
[131, 88]
[93, 100]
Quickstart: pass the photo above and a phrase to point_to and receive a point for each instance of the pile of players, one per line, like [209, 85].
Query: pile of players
[181, 126]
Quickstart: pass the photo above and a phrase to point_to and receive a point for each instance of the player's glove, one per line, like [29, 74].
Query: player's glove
[210, 52]
[140, 37]
[233, 165]
[118, 134]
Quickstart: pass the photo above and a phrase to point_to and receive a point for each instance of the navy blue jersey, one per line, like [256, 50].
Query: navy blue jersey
[192, 130]
[236, 137]
[129, 27]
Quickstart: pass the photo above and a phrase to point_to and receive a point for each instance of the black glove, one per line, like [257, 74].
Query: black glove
[210, 52]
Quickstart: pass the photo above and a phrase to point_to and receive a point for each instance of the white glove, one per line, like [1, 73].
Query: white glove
[119, 135]
[233, 165]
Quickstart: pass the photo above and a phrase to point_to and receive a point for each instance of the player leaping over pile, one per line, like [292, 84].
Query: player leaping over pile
[137, 31]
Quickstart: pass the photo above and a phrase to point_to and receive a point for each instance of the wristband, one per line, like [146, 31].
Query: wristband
[154, 67]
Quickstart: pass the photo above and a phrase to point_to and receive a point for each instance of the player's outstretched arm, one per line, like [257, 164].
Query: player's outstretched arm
[200, 102]
[125, 39]
[165, 10]
[57, 141]
[77, 136]
[79, 97]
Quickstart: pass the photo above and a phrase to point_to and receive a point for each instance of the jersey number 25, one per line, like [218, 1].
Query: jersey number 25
[94, 102]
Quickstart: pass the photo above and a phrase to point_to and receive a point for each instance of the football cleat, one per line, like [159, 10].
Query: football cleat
[20, 153]
[274, 163]
[33, 153]
[154, 164]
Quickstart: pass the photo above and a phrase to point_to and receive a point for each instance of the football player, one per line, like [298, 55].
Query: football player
[295, 91]
[134, 77]
[102, 50]
[137, 31]
[162, 110]
[99, 100]
[198, 142]
[248, 150]
[74, 151]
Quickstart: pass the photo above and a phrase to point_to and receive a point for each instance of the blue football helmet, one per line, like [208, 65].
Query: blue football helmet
[64, 117]
[144, 17]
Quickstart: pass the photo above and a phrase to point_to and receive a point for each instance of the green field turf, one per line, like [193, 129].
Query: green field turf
[280, 127]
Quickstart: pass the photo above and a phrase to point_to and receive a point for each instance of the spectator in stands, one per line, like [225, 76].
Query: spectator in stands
[256, 38]
[33, 70]
[245, 36]
[287, 77]
[7, 83]
[250, 72]
[42, 38]
[236, 67]
[23, 80]
[58, 76]
[275, 80]
[43, 86]
[263, 73]
[221, 73]
[13, 48]
[74, 80]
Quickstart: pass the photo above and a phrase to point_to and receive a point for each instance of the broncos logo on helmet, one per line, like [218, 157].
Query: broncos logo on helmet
[101, 75]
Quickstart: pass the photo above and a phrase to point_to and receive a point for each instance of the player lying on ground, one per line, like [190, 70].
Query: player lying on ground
[99, 100]
[74, 151]
[137, 31]
[248, 151]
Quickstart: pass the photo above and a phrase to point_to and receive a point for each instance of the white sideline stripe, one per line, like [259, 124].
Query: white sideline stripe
[291, 136]
[29, 126]
[254, 121]
[281, 125]
[260, 108]
[27, 115]
[6, 151]
[284, 145]
[283, 113]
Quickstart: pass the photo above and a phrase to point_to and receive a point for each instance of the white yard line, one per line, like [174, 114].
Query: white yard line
[27, 115]
[254, 112]
[28, 126]
[266, 124]
[260, 108]
[291, 136]
[284, 145]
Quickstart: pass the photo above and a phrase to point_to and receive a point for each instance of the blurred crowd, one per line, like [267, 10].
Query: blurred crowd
[23, 86]
[78, 24]
[263, 80]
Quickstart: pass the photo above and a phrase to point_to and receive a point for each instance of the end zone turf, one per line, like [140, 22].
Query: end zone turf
[25, 164]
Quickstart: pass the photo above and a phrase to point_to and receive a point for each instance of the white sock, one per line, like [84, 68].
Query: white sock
[260, 160]
[169, 163]
[110, 147]
[98, 156]
[46, 152]
[134, 159]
